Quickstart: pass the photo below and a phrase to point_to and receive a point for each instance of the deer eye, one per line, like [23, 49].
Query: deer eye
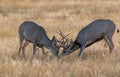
[64, 51]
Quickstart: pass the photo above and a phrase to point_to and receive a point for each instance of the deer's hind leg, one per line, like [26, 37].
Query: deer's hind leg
[21, 43]
[24, 46]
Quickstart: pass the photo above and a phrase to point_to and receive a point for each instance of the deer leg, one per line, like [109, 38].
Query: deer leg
[82, 47]
[38, 50]
[20, 47]
[105, 45]
[43, 52]
[108, 39]
[24, 46]
[34, 49]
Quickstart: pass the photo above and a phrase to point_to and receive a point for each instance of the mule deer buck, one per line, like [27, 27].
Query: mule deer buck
[92, 33]
[31, 32]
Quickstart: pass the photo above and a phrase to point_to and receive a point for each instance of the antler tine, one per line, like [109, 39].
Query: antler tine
[66, 36]
[61, 34]
[64, 42]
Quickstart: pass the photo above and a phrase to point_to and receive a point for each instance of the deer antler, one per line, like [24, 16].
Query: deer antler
[64, 41]
[63, 35]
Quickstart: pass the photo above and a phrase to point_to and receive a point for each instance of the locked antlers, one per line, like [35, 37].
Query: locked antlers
[64, 41]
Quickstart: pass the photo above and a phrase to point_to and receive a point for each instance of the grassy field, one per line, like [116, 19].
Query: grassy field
[69, 16]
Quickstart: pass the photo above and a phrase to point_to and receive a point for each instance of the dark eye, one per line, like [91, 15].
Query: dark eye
[63, 51]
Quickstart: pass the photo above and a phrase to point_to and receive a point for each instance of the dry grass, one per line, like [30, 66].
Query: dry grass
[69, 16]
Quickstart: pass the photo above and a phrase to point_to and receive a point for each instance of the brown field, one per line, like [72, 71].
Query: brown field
[69, 16]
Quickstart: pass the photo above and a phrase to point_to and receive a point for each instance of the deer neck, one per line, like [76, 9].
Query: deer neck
[47, 43]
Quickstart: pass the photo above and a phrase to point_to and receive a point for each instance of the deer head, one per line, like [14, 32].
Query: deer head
[64, 42]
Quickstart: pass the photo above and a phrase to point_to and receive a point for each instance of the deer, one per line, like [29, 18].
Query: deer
[31, 32]
[92, 33]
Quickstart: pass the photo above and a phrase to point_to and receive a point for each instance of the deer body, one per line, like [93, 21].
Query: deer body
[31, 32]
[92, 33]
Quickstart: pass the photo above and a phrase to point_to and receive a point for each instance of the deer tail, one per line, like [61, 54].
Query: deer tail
[117, 29]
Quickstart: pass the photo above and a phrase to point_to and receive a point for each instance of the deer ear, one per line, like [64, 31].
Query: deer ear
[71, 44]
[54, 40]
